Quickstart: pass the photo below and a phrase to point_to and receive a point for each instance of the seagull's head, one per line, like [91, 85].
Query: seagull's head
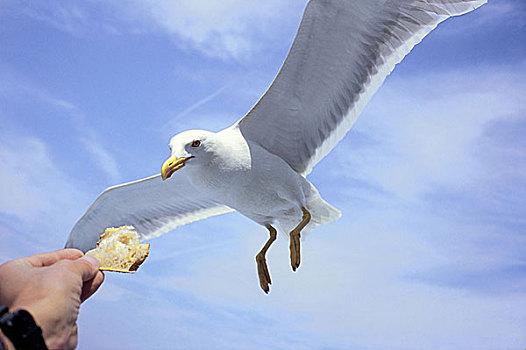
[189, 148]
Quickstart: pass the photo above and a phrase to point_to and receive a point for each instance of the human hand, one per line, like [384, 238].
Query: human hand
[51, 287]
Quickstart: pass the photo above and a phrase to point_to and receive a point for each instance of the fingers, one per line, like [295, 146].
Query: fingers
[87, 267]
[91, 286]
[47, 259]
[74, 260]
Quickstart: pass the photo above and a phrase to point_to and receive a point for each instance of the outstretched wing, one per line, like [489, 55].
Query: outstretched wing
[342, 53]
[151, 205]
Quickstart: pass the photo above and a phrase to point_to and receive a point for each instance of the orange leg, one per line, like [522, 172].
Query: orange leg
[261, 261]
[295, 236]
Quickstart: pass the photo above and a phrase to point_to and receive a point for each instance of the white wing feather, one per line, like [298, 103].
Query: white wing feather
[341, 55]
[151, 205]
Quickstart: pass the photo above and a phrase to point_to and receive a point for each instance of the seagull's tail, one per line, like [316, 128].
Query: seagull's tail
[321, 211]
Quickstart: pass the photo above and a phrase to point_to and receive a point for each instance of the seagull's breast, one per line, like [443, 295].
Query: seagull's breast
[248, 178]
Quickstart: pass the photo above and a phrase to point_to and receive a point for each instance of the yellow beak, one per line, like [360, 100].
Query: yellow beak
[171, 165]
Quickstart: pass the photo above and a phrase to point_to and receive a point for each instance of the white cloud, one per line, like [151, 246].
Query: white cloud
[75, 18]
[88, 138]
[35, 191]
[191, 112]
[427, 129]
[228, 28]
[16, 86]
[101, 156]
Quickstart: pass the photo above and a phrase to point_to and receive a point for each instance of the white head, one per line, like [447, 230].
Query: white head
[191, 147]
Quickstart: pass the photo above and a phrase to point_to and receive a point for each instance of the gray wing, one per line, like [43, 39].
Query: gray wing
[151, 205]
[341, 55]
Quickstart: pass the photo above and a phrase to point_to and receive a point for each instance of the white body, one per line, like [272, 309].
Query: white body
[256, 183]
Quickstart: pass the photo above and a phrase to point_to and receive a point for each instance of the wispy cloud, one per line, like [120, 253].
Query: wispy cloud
[216, 121]
[427, 130]
[35, 191]
[224, 29]
[74, 18]
[101, 156]
[86, 135]
[217, 28]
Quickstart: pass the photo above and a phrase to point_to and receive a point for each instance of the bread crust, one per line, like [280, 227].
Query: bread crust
[119, 250]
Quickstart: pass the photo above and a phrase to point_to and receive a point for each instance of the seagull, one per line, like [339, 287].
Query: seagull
[342, 53]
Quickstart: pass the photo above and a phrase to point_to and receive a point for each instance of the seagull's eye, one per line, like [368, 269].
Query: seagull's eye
[196, 143]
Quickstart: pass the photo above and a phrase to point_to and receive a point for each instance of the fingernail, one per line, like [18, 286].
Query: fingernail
[93, 261]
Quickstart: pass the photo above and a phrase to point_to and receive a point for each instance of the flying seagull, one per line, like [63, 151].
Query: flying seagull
[342, 53]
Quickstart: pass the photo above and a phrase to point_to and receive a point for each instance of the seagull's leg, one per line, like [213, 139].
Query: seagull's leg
[295, 236]
[264, 276]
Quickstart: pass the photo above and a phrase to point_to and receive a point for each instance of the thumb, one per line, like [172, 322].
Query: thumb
[87, 267]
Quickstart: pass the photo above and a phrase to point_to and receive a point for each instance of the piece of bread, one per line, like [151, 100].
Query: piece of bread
[119, 249]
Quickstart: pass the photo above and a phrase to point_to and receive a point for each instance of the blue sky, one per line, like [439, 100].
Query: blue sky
[429, 252]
